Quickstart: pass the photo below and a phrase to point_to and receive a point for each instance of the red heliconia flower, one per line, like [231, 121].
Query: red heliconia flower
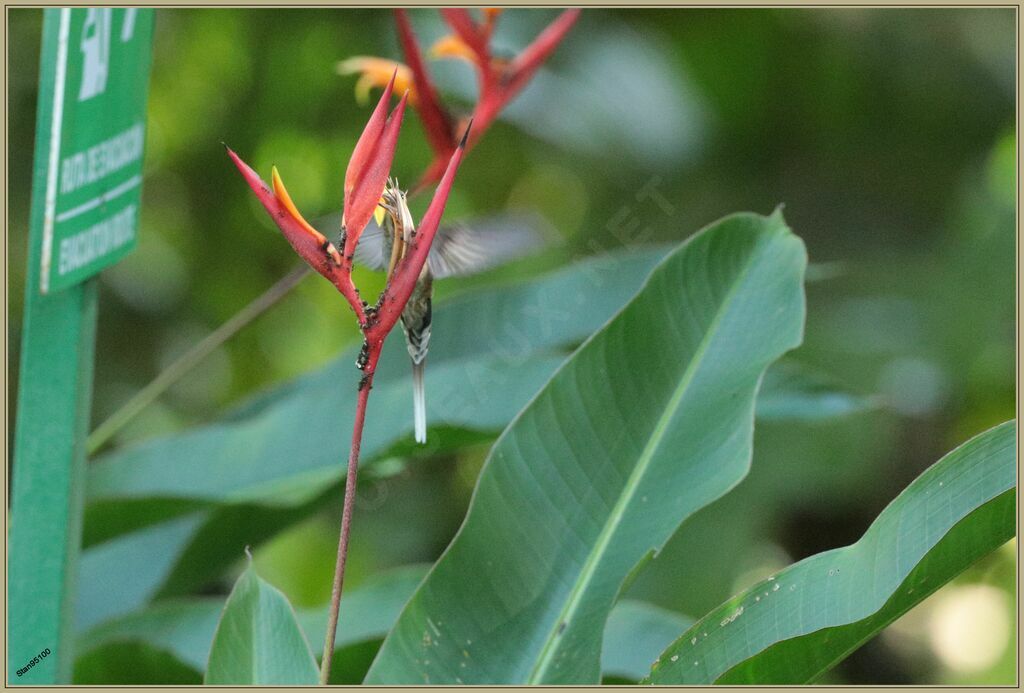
[499, 79]
[364, 184]
[365, 178]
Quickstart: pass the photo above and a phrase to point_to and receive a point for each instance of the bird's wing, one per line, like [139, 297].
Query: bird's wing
[463, 249]
[370, 248]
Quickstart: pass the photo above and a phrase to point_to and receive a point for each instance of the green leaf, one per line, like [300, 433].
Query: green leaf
[123, 574]
[132, 664]
[258, 640]
[636, 633]
[799, 623]
[649, 421]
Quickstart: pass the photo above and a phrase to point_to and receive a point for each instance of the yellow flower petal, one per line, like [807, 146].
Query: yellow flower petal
[491, 16]
[451, 46]
[286, 200]
[376, 73]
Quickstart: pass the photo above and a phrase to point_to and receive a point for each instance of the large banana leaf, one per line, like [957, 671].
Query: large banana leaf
[650, 420]
[794, 626]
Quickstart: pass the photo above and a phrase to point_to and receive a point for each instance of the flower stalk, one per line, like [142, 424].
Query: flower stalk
[346, 515]
[365, 179]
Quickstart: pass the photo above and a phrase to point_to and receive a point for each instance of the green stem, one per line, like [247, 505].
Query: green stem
[151, 392]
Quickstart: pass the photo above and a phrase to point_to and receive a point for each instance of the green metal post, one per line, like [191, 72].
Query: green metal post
[49, 442]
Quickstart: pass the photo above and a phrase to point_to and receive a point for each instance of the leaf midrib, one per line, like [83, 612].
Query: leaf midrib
[618, 511]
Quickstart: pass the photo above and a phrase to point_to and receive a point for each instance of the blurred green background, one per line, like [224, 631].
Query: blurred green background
[888, 135]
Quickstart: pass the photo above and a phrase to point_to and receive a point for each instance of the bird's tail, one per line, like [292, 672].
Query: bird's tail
[419, 402]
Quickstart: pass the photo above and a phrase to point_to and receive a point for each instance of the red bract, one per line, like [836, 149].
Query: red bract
[463, 25]
[367, 143]
[524, 65]
[367, 174]
[397, 292]
[499, 80]
[436, 121]
[365, 179]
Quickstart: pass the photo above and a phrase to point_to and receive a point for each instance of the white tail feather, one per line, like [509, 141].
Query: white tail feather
[419, 403]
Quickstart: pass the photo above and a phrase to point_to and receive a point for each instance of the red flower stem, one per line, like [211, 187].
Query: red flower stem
[436, 120]
[534, 55]
[348, 289]
[346, 514]
[466, 29]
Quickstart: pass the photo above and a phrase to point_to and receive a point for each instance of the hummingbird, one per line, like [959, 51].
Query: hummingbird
[456, 251]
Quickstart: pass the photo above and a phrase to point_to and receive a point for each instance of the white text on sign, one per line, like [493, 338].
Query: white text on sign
[99, 239]
[99, 160]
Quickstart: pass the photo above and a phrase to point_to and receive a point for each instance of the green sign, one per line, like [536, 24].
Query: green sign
[96, 133]
[85, 197]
